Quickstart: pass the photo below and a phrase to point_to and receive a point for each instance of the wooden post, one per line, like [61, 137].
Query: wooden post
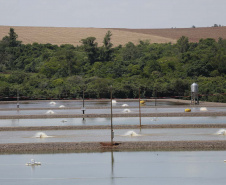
[139, 108]
[155, 96]
[18, 105]
[83, 103]
[112, 133]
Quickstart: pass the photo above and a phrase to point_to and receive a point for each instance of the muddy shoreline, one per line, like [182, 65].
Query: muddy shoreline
[104, 147]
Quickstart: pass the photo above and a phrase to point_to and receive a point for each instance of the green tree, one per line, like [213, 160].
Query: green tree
[183, 44]
[130, 52]
[12, 39]
[106, 50]
[90, 47]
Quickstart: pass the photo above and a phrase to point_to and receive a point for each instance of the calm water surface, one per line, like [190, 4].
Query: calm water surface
[77, 104]
[117, 168]
[108, 111]
[185, 134]
[107, 121]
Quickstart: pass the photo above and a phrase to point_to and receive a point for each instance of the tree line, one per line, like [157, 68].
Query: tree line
[163, 70]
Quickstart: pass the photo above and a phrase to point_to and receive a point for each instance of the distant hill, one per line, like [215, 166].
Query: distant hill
[65, 35]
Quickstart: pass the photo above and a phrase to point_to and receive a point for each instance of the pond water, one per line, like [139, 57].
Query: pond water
[78, 104]
[178, 134]
[116, 168]
[107, 111]
[107, 121]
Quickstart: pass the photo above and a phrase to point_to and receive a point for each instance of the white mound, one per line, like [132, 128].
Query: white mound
[203, 109]
[52, 103]
[131, 133]
[41, 135]
[114, 101]
[50, 112]
[221, 132]
[125, 105]
[61, 106]
[126, 110]
[154, 119]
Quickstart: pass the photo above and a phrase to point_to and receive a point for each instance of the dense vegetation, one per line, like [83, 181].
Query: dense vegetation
[166, 70]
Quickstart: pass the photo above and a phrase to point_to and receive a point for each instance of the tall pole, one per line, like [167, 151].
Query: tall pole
[139, 108]
[83, 104]
[18, 105]
[155, 97]
[112, 133]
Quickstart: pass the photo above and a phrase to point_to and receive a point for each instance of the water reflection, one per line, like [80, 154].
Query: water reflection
[112, 167]
[195, 167]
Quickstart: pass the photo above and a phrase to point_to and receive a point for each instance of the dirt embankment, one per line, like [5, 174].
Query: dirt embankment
[118, 146]
[174, 114]
[100, 127]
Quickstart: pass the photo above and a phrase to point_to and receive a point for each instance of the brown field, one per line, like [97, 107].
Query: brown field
[194, 34]
[60, 35]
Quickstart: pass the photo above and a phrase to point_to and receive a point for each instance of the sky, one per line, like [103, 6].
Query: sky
[113, 13]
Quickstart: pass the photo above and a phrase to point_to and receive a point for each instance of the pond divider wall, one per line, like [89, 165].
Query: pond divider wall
[182, 114]
[99, 127]
[121, 146]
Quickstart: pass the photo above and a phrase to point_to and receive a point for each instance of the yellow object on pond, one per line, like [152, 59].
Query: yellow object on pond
[187, 110]
[142, 102]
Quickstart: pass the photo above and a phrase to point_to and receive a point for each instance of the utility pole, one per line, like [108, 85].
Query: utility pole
[83, 104]
[139, 108]
[112, 133]
[18, 105]
[155, 96]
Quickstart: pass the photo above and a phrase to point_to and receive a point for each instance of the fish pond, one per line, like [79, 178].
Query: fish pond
[113, 168]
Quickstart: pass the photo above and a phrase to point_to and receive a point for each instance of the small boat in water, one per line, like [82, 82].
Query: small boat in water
[33, 163]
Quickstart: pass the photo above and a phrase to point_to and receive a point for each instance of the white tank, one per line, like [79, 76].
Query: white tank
[194, 88]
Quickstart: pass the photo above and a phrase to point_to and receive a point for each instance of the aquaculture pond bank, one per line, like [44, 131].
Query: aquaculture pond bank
[117, 146]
